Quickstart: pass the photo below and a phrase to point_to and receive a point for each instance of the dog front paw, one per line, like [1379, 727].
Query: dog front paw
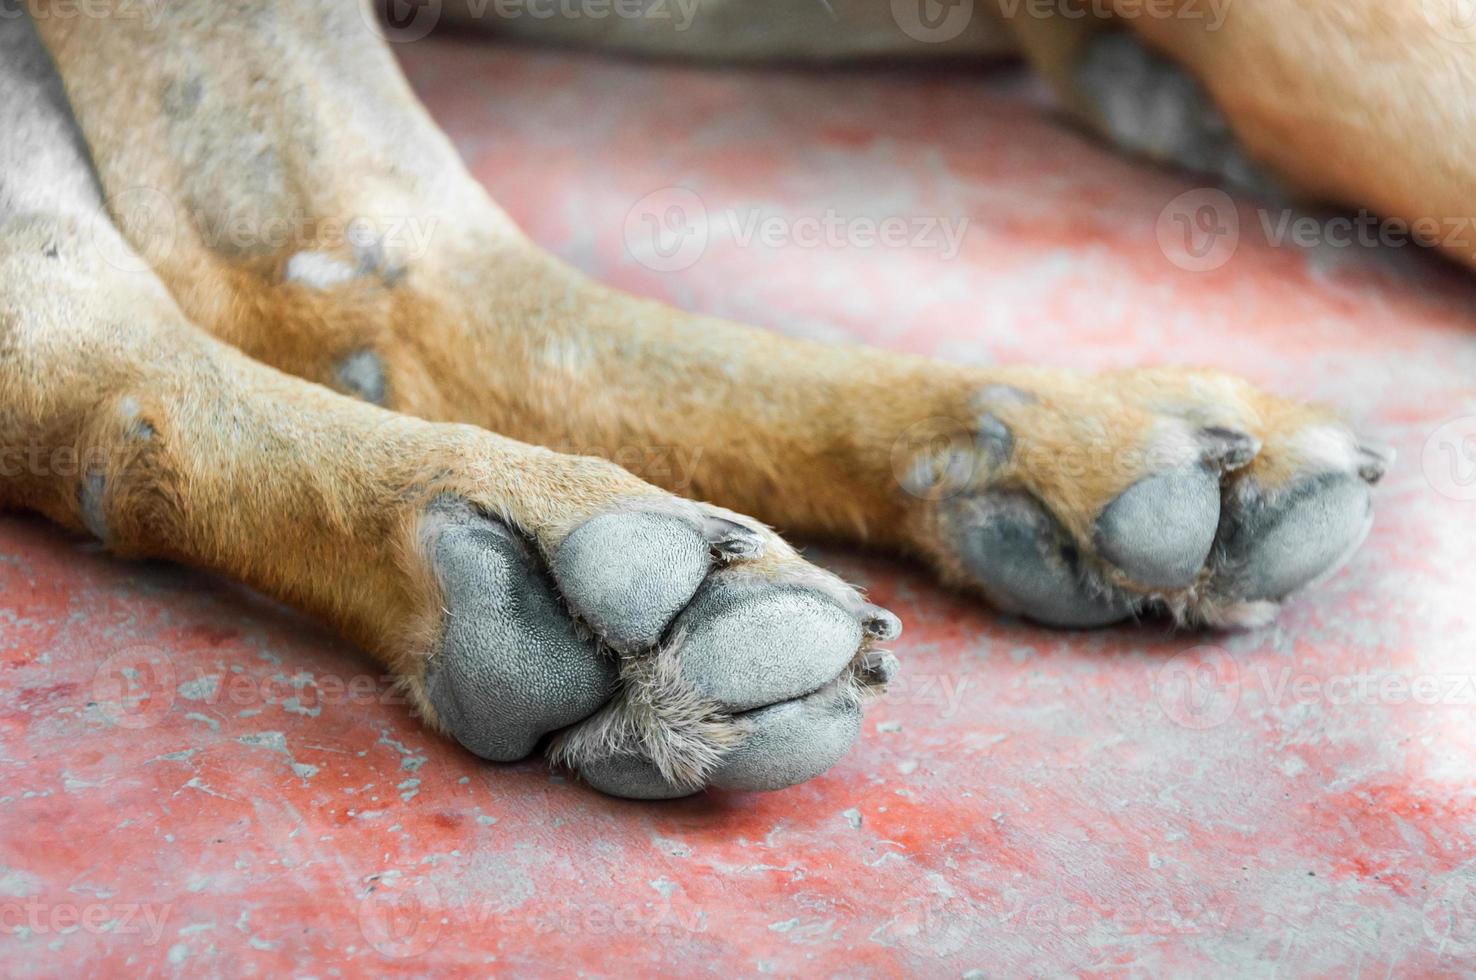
[664, 645]
[1083, 501]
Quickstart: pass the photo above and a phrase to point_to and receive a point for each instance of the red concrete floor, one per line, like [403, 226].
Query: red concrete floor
[196, 782]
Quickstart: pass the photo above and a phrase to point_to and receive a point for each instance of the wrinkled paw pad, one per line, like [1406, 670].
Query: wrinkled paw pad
[1208, 539]
[1026, 563]
[664, 655]
[512, 665]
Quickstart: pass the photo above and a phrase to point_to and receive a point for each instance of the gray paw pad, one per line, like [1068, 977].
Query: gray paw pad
[511, 667]
[1024, 562]
[791, 742]
[631, 777]
[1273, 548]
[786, 744]
[1160, 529]
[627, 574]
[1151, 105]
[751, 643]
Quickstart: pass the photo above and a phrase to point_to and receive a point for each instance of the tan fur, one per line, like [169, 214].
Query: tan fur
[1359, 102]
[293, 112]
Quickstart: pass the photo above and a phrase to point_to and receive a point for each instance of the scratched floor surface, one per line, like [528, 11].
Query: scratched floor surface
[196, 782]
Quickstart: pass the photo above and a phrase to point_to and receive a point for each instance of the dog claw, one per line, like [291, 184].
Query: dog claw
[1374, 462]
[1228, 449]
[881, 624]
[731, 540]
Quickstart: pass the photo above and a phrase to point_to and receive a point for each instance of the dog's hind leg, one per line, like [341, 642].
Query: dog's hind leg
[1112, 81]
[1358, 103]
[1077, 500]
[516, 592]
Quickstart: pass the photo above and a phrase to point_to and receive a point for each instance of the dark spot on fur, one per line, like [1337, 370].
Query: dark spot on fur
[375, 261]
[362, 374]
[90, 503]
[182, 97]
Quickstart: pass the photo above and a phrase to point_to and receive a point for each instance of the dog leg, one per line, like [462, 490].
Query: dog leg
[1358, 103]
[518, 593]
[1076, 500]
[1111, 80]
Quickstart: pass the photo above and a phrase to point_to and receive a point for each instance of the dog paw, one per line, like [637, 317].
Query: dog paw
[657, 647]
[1150, 106]
[1084, 501]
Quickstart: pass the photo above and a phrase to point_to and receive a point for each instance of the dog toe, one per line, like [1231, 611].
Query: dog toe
[1024, 562]
[747, 643]
[1160, 530]
[627, 574]
[790, 743]
[1273, 547]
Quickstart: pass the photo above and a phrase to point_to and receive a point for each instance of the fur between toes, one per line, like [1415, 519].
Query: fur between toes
[659, 718]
